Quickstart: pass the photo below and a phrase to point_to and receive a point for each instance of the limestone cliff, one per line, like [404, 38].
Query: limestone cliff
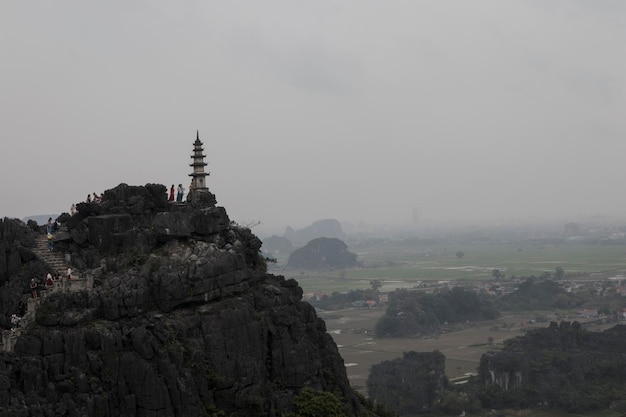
[183, 319]
[409, 385]
[561, 366]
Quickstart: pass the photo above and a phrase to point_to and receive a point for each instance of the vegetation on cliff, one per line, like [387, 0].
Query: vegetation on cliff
[562, 366]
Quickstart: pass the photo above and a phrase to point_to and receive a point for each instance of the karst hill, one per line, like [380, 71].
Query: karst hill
[182, 318]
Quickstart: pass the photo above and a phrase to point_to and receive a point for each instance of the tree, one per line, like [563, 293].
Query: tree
[460, 254]
[376, 284]
[311, 403]
[496, 274]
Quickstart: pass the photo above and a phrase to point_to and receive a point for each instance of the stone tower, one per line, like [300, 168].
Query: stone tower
[198, 191]
[198, 176]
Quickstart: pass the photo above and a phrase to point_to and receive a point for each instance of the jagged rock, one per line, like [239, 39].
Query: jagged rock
[185, 321]
[557, 365]
[322, 253]
[409, 385]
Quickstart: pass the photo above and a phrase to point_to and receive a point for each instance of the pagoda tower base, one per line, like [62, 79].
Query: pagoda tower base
[201, 198]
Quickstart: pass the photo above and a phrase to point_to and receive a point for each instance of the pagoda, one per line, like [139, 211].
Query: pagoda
[198, 191]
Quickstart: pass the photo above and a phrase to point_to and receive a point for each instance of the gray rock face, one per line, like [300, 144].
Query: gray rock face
[187, 322]
[561, 366]
[409, 385]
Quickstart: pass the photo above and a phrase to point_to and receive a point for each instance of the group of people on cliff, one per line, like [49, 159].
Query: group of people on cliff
[50, 282]
[95, 198]
[51, 227]
[180, 192]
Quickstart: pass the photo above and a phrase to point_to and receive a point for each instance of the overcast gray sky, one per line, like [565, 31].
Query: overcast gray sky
[352, 109]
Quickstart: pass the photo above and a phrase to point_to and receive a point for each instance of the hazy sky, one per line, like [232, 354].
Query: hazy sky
[350, 109]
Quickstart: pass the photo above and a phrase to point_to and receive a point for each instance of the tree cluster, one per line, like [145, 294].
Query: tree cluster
[337, 300]
[413, 313]
[537, 294]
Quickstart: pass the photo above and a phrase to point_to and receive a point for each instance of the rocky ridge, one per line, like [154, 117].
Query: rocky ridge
[183, 318]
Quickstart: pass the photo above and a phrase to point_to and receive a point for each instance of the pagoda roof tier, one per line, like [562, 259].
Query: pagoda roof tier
[198, 164]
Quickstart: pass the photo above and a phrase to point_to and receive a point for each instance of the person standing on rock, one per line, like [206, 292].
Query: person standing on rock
[171, 198]
[69, 273]
[50, 242]
[49, 226]
[49, 281]
[181, 191]
[33, 287]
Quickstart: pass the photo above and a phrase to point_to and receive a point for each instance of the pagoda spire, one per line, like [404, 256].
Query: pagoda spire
[199, 194]
[198, 176]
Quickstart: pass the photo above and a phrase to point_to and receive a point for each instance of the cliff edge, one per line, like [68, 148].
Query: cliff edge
[182, 320]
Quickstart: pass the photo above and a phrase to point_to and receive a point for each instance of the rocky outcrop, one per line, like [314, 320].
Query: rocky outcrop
[184, 320]
[409, 385]
[323, 253]
[562, 366]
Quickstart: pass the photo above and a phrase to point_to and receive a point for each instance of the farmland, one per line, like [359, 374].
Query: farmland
[406, 266]
[417, 266]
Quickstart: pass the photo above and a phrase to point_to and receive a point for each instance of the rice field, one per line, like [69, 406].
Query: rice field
[407, 266]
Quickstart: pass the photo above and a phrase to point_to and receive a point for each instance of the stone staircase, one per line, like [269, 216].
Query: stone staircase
[56, 260]
[57, 263]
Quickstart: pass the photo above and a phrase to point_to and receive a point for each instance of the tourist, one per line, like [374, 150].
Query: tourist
[181, 192]
[171, 198]
[73, 210]
[69, 273]
[49, 281]
[88, 198]
[15, 322]
[49, 226]
[50, 242]
[57, 279]
[33, 287]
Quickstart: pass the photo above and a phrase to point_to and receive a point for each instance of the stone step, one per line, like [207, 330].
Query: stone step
[57, 263]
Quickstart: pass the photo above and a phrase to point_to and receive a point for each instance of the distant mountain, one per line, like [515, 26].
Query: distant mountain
[330, 228]
[277, 244]
[323, 253]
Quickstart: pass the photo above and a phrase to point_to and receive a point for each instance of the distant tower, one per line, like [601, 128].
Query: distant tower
[198, 191]
[198, 181]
